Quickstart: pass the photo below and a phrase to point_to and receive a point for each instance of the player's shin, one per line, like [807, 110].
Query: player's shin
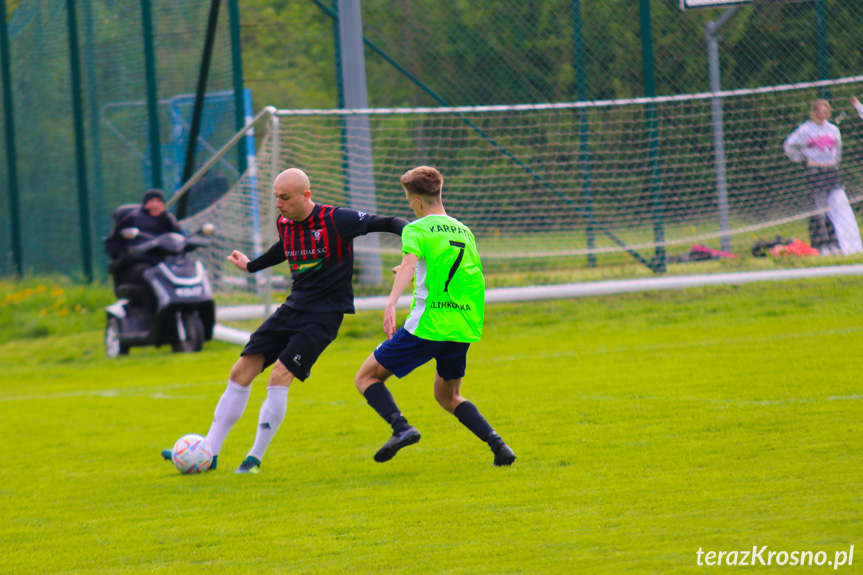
[379, 397]
[271, 417]
[470, 417]
[231, 406]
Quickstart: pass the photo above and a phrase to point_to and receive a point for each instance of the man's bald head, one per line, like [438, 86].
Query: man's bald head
[293, 194]
[292, 180]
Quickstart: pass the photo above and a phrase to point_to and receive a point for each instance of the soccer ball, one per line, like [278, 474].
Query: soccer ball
[192, 454]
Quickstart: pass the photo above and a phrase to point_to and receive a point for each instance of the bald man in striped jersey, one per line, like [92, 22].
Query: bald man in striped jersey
[317, 242]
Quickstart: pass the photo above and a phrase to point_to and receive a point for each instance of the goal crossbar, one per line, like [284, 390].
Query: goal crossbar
[569, 105]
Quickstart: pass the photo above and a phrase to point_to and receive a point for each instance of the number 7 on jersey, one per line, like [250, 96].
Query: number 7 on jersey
[461, 246]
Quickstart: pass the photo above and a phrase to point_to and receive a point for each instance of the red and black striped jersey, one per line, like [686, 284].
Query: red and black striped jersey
[319, 250]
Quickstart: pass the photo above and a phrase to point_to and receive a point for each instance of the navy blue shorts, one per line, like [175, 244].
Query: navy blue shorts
[405, 352]
[296, 338]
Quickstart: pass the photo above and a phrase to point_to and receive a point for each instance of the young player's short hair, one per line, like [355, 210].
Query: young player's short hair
[423, 181]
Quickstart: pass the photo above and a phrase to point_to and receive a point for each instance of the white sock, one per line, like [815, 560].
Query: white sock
[231, 407]
[271, 417]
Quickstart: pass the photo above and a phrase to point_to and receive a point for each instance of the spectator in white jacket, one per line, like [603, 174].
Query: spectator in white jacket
[819, 144]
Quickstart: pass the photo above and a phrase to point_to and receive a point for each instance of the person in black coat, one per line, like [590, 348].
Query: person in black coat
[151, 218]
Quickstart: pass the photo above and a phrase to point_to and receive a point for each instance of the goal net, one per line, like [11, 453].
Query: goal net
[568, 192]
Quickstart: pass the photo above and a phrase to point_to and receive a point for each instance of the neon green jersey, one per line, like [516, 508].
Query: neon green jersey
[449, 299]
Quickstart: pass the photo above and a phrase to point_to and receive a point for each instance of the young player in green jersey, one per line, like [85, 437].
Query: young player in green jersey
[446, 317]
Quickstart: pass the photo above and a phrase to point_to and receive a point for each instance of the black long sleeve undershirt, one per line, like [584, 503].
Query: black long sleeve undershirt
[387, 224]
[273, 256]
[276, 254]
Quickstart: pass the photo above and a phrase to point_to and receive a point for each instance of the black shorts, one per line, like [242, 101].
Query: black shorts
[296, 338]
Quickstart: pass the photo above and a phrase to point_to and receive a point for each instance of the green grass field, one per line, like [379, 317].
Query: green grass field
[647, 426]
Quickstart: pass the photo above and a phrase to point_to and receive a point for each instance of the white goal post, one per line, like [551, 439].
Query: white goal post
[690, 4]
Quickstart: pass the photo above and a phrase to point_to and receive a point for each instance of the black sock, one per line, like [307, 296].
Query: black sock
[379, 397]
[470, 417]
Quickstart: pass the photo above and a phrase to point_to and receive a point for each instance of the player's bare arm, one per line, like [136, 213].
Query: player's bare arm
[239, 259]
[404, 276]
[857, 106]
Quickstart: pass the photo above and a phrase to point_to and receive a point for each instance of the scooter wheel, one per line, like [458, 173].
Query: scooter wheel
[113, 346]
[191, 325]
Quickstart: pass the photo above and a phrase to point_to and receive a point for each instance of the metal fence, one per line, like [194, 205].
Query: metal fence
[101, 92]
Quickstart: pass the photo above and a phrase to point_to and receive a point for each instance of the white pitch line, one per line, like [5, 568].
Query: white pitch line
[153, 392]
[629, 399]
[719, 401]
